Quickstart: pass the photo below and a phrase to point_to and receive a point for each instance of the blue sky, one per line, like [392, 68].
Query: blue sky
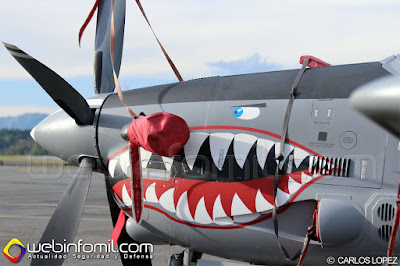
[203, 37]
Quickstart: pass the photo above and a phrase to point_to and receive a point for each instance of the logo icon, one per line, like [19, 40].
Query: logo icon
[18, 243]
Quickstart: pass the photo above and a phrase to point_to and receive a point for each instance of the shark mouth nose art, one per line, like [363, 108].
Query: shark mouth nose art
[218, 178]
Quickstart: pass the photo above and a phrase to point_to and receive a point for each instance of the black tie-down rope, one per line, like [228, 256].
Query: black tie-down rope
[300, 254]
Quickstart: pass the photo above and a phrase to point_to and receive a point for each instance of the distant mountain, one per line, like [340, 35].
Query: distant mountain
[25, 121]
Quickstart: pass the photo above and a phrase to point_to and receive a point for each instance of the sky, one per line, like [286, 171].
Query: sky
[204, 38]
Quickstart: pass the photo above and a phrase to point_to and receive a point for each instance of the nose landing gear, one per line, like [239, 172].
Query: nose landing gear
[188, 257]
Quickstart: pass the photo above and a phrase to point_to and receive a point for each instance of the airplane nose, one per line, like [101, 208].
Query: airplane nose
[33, 134]
[60, 135]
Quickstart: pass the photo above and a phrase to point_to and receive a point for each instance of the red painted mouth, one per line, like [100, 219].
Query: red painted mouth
[218, 199]
[207, 202]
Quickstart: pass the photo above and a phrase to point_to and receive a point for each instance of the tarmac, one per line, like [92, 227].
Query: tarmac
[28, 198]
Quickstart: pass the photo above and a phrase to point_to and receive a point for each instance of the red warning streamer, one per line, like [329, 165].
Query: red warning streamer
[395, 226]
[112, 52]
[90, 16]
[177, 74]
[119, 225]
[88, 19]
[137, 188]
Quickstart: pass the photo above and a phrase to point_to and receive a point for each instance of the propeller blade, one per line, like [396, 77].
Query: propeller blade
[65, 220]
[58, 89]
[104, 80]
[379, 100]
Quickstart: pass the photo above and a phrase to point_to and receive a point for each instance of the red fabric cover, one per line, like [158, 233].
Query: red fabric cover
[136, 183]
[161, 133]
[313, 62]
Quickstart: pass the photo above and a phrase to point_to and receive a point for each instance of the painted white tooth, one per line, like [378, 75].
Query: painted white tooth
[220, 217]
[262, 204]
[125, 163]
[238, 207]
[223, 221]
[242, 144]
[315, 175]
[151, 193]
[323, 165]
[310, 164]
[218, 210]
[193, 146]
[144, 157]
[263, 148]
[246, 218]
[329, 164]
[111, 166]
[125, 197]
[287, 149]
[281, 197]
[320, 165]
[182, 208]
[299, 156]
[119, 202]
[219, 145]
[293, 186]
[201, 215]
[167, 200]
[316, 162]
[305, 178]
[168, 162]
[289, 164]
[277, 148]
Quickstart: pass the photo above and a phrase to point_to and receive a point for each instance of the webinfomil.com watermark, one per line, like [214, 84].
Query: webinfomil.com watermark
[87, 251]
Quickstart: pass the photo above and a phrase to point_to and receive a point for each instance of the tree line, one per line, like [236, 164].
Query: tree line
[19, 142]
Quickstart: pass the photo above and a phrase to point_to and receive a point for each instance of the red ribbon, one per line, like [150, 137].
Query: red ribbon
[172, 65]
[112, 52]
[136, 183]
[88, 19]
[119, 225]
[393, 235]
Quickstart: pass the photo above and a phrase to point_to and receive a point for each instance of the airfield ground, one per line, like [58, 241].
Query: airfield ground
[28, 197]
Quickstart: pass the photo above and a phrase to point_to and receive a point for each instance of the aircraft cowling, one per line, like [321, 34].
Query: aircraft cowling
[161, 133]
[141, 234]
[338, 222]
[61, 136]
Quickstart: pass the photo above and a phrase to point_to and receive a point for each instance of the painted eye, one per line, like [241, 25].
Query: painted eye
[238, 112]
[246, 113]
